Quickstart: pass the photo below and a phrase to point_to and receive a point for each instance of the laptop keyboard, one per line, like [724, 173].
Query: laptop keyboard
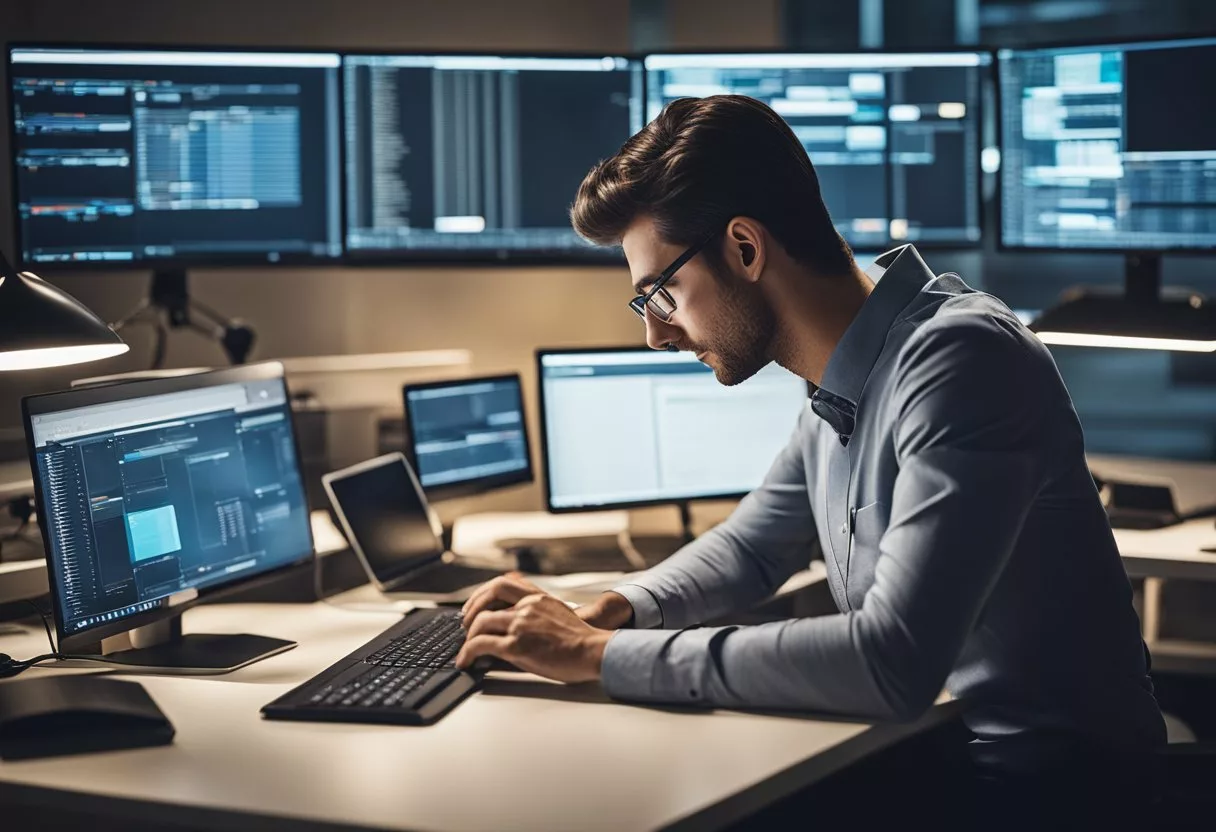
[447, 577]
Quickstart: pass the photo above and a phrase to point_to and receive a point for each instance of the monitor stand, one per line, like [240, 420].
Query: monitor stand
[1142, 277]
[169, 306]
[161, 648]
[686, 520]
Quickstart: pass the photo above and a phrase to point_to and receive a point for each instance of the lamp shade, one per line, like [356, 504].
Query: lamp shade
[42, 326]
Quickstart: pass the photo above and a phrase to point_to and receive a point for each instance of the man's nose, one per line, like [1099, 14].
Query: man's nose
[660, 334]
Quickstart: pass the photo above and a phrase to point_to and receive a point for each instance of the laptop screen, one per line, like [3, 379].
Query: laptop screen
[383, 514]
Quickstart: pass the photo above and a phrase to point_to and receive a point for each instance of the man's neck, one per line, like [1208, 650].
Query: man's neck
[813, 313]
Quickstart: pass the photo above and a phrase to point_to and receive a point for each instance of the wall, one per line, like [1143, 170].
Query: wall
[713, 24]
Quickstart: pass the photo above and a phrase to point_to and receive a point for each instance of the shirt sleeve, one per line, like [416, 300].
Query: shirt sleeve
[743, 560]
[973, 453]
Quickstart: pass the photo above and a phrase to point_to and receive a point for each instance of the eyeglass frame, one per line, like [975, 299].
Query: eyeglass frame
[641, 303]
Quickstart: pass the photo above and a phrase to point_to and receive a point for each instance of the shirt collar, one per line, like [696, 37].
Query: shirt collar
[904, 274]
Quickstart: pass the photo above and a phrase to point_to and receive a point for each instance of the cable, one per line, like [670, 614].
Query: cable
[45, 623]
[10, 667]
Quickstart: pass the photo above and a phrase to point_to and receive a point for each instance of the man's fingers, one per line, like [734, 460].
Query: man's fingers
[498, 593]
[475, 648]
[491, 624]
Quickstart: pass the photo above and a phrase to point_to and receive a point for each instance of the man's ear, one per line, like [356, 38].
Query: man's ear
[745, 248]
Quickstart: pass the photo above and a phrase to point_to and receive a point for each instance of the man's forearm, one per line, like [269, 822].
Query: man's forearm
[610, 611]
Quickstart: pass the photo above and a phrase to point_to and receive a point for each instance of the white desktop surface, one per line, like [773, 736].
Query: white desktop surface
[1171, 552]
[522, 753]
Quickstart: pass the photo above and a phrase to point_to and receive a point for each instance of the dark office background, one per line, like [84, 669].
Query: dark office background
[1130, 401]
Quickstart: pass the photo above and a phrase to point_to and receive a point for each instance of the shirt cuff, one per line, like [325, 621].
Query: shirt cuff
[627, 671]
[647, 614]
[645, 666]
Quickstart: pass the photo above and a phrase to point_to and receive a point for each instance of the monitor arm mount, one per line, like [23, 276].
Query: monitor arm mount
[169, 306]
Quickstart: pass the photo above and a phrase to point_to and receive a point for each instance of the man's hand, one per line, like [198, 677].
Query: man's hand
[500, 593]
[610, 611]
[539, 634]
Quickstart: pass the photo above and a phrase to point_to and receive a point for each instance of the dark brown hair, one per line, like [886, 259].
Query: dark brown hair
[702, 162]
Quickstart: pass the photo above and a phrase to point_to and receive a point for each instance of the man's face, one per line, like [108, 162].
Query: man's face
[723, 318]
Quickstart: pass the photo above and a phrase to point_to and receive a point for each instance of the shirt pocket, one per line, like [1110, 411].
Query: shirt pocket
[869, 524]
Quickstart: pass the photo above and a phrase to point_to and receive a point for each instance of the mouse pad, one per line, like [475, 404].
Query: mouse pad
[59, 715]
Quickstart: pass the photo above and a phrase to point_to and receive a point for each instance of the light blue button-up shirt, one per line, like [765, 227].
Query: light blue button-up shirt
[941, 468]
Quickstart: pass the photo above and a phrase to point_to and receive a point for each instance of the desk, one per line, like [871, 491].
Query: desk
[1172, 552]
[508, 757]
[1160, 554]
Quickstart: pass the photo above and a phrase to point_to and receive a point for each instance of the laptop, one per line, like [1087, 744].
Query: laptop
[384, 513]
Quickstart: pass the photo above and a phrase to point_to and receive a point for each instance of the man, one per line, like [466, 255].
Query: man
[939, 464]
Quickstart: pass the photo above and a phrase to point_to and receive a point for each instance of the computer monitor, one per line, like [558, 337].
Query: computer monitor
[156, 494]
[479, 156]
[173, 158]
[632, 426]
[895, 137]
[1108, 147]
[469, 435]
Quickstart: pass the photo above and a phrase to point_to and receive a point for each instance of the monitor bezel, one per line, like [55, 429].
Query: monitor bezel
[124, 391]
[987, 78]
[439, 257]
[1001, 246]
[480, 485]
[162, 264]
[544, 442]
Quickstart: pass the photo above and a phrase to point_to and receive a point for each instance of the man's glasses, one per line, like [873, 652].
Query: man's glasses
[657, 300]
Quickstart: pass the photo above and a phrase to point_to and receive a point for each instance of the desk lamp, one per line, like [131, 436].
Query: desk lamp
[43, 326]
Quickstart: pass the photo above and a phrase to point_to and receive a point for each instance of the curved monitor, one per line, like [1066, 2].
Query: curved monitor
[467, 157]
[174, 158]
[1109, 147]
[152, 494]
[631, 426]
[895, 137]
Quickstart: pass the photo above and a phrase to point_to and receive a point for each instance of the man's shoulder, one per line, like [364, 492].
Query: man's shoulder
[972, 375]
[966, 327]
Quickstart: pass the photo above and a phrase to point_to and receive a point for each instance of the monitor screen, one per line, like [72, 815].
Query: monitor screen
[148, 496]
[636, 426]
[175, 157]
[478, 156]
[385, 516]
[469, 433]
[1109, 147]
[895, 138]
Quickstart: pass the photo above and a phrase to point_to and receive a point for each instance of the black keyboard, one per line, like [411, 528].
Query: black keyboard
[434, 644]
[378, 687]
[403, 676]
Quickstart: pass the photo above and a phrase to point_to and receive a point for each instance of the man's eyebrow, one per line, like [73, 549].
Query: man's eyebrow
[645, 283]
